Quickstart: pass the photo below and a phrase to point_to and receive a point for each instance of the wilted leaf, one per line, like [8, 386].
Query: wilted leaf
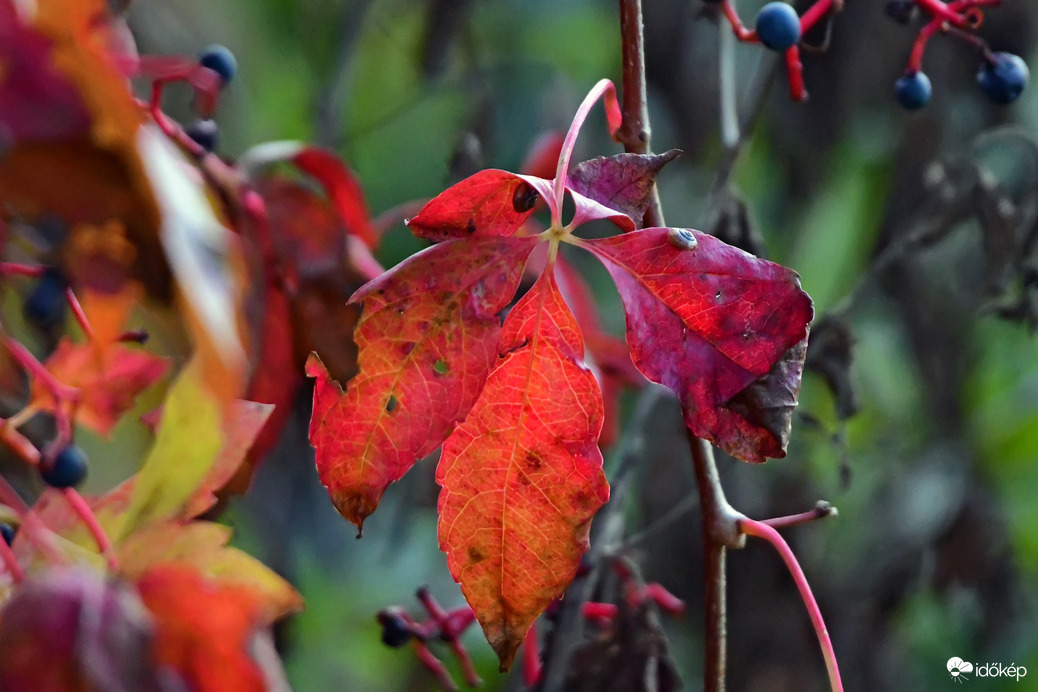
[489, 203]
[830, 353]
[203, 629]
[623, 182]
[109, 379]
[427, 339]
[203, 545]
[74, 630]
[522, 476]
[706, 322]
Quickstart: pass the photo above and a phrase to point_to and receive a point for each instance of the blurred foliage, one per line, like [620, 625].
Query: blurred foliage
[935, 551]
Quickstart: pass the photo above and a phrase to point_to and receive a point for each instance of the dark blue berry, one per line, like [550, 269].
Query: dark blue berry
[67, 469]
[206, 133]
[902, 11]
[1003, 78]
[395, 630]
[778, 26]
[913, 90]
[7, 531]
[45, 306]
[220, 60]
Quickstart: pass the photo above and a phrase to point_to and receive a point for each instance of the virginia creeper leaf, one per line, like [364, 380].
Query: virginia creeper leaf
[343, 189]
[188, 440]
[203, 629]
[427, 339]
[491, 202]
[109, 379]
[623, 182]
[203, 545]
[522, 476]
[707, 322]
[542, 159]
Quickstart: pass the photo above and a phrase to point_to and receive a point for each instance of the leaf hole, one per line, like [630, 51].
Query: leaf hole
[440, 367]
[392, 403]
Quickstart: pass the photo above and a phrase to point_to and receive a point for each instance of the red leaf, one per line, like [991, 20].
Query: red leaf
[491, 202]
[343, 189]
[624, 182]
[109, 379]
[427, 339]
[543, 157]
[707, 322]
[203, 629]
[522, 476]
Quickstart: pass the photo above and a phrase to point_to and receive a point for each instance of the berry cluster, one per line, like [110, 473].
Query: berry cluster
[1001, 76]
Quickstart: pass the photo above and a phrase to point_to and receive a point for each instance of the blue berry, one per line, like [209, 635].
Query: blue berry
[7, 531]
[395, 630]
[206, 133]
[66, 470]
[913, 90]
[220, 60]
[1004, 78]
[45, 306]
[902, 11]
[778, 26]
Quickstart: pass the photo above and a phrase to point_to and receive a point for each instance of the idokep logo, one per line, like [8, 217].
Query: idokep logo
[960, 670]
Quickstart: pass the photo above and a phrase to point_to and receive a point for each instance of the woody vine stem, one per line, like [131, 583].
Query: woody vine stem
[723, 526]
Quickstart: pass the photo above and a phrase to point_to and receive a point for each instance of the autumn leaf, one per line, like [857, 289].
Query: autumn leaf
[189, 438]
[427, 339]
[707, 322]
[203, 546]
[109, 379]
[522, 476]
[624, 182]
[491, 202]
[203, 629]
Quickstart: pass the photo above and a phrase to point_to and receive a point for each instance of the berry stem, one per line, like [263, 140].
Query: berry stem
[738, 28]
[915, 60]
[34, 529]
[762, 530]
[11, 562]
[60, 392]
[940, 11]
[434, 665]
[821, 510]
[816, 12]
[80, 507]
[77, 312]
[17, 269]
[599, 613]
[795, 69]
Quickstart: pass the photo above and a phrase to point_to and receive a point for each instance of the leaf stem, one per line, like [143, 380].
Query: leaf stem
[77, 312]
[762, 530]
[821, 510]
[605, 90]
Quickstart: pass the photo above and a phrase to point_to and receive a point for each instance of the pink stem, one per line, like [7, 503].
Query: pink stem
[34, 529]
[468, 668]
[600, 613]
[667, 602]
[915, 60]
[605, 90]
[80, 507]
[814, 13]
[795, 69]
[77, 312]
[16, 269]
[11, 562]
[434, 665]
[740, 31]
[60, 392]
[940, 11]
[821, 510]
[532, 667]
[762, 530]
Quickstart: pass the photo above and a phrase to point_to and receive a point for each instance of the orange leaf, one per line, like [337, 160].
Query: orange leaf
[203, 629]
[522, 476]
[426, 340]
[109, 380]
